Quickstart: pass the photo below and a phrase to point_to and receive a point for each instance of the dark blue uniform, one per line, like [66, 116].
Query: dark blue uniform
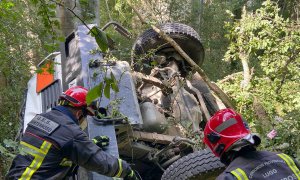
[264, 165]
[52, 142]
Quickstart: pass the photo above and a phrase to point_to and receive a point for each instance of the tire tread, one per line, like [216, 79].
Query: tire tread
[193, 165]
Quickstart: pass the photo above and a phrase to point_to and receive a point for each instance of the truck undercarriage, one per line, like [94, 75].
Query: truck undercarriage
[156, 118]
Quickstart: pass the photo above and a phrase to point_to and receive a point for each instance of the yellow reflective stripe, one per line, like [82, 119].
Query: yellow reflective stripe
[31, 168]
[236, 175]
[45, 147]
[239, 174]
[120, 168]
[31, 151]
[242, 173]
[131, 173]
[38, 158]
[289, 161]
[32, 147]
[65, 162]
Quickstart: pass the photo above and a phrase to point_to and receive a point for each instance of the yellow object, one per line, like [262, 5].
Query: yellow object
[38, 154]
[289, 161]
[120, 168]
[239, 174]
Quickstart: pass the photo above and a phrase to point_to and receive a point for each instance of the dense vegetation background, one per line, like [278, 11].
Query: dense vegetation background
[252, 52]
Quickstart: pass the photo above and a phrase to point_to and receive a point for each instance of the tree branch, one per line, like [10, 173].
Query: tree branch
[246, 71]
[212, 86]
[137, 13]
[60, 4]
[108, 11]
[230, 77]
[226, 100]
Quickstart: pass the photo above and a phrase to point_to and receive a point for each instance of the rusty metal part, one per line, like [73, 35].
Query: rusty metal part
[119, 28]
[152, 137]
[175, 143]
[151, 80]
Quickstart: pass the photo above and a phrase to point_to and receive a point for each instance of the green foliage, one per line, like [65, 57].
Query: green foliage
[94, 93]
[24, 38]
[86, 13]
[103, 88]
[271, 44]
[113, 108]
[21, 47]
[101, 38]
[45, 10]
[212, 33]
[7, 154]
[28, 32]
[119, 11]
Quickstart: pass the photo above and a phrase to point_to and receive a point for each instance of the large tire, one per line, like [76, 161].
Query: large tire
[186, 37]
[198, 165]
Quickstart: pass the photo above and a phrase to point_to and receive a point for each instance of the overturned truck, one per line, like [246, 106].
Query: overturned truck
[155, 119]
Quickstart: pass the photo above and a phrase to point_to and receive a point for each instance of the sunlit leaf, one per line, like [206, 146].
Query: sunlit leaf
[94, 93]
[107, 90]
[100, 37]
[115, 87]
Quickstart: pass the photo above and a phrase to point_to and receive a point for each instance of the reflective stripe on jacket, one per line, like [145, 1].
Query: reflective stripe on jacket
[52, 142]
[262, 165]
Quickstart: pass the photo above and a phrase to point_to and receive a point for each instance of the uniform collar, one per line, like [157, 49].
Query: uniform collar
[67, 112]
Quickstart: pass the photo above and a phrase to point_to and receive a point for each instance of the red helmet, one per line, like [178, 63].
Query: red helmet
[224, 129]
[76, 97]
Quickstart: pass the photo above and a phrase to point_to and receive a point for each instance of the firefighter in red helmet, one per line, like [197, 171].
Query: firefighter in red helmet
[53, 142]
[228, 136]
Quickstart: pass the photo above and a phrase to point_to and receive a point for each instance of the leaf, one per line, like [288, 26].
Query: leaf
[94, 93]
[39, 71]
[110, 41]
[115, 87]
[114, 82]
[5, 152]
[10, 143]
[61, 38]
[107, 80]
[154, 63]
[52, 6]
[101, 38]
[112, 76]
[34, 1]
[107, 90]
[8, 5]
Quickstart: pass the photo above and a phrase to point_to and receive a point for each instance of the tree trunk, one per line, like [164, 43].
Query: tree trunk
[66, 17]
[247, 76]
[97, 13]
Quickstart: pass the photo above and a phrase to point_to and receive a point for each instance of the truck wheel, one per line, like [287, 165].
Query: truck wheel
[186, 37]
[198, 165]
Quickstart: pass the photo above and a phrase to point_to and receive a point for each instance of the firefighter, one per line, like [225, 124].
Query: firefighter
[53, 141]
[228, 136]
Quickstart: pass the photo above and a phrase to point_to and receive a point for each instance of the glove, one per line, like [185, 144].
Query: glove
[131, 176]
[101, 141]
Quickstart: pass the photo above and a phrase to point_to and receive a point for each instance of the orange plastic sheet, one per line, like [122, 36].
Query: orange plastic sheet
[45, 78]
